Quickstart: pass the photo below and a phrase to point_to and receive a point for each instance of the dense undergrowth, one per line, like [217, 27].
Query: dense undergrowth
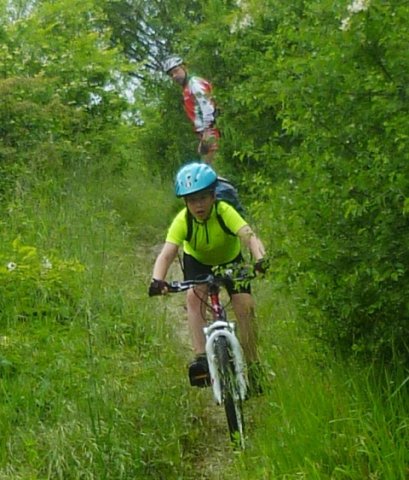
[92, 371]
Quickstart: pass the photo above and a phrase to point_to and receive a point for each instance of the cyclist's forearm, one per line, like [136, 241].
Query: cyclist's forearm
[252, 242]
[161, 267]
[256, 248]
[164, 261]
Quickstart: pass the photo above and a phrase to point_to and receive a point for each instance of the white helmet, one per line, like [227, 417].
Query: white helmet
[172, 62]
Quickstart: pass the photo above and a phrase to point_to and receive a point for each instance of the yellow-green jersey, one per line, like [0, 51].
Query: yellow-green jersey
[209, 242]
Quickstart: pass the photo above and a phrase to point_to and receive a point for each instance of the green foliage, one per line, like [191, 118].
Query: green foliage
[60, 108]
[165, 137]
[350, 171]
[149, 31]
[314, 96]
[33, 284]
[36, 125]
[146, 208]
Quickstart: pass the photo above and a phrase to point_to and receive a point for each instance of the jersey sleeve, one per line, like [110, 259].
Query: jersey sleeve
[231, 217]
[177, 232]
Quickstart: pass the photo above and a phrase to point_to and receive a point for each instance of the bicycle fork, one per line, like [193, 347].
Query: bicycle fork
[213, 332]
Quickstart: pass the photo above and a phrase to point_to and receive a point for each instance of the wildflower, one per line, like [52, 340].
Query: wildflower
[11, 266]
[345, 24]
[358, 6]
[47, 264]
[355, 7]
[241, 24]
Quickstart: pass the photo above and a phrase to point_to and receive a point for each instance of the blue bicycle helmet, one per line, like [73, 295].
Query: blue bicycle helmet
[193, 178]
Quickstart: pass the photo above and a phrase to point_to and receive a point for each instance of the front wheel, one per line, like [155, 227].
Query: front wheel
[230, 391]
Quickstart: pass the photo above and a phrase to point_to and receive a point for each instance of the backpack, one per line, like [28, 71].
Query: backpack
[226, 192]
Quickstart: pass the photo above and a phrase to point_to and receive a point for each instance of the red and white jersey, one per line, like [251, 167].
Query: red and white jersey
[198, 103]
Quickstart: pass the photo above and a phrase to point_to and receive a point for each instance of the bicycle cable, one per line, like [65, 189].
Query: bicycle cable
[208, 305]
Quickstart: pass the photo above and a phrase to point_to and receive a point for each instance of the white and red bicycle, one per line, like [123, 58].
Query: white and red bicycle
[224, 353]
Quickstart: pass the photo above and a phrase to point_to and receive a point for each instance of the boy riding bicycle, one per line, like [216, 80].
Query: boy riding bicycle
[217, 232]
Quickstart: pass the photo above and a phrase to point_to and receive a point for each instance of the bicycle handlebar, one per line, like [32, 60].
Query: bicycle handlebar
[230, 274]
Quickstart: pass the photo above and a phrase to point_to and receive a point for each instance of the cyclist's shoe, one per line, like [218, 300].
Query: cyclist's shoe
[199, 372]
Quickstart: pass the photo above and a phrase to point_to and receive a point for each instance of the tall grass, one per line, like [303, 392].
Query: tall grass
[82, 396]
[324, 418]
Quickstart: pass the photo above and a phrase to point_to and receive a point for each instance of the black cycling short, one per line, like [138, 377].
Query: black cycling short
[192, 269]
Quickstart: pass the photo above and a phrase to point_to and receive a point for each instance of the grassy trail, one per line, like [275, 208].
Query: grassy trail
[93, 380]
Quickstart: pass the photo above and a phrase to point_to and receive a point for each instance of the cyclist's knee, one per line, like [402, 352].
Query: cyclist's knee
[192, 300]
[243, 304]
[243, 299]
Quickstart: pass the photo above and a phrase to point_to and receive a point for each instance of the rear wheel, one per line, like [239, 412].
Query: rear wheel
[230, 392]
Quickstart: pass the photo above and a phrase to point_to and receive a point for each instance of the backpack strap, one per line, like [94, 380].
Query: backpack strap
[189, 222]
[225, 228]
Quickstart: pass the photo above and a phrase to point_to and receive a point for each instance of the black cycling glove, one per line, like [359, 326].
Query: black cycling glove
[157, 286]
[262, 265]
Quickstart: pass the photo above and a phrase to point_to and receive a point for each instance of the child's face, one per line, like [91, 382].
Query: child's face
[200, 204]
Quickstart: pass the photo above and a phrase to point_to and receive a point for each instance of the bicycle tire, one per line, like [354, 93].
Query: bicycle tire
[230, 392]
